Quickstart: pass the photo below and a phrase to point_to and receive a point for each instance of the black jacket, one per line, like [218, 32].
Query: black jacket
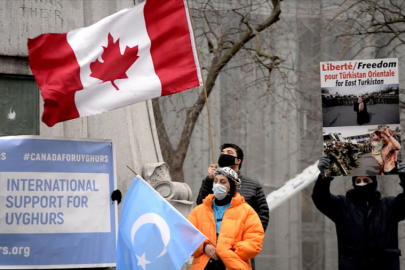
[251, 190]
[367, 232]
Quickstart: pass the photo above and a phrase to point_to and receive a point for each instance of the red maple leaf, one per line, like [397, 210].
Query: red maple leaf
[115, 65]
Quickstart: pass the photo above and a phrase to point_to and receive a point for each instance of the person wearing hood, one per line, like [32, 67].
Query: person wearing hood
[234, 230]
[366, 223]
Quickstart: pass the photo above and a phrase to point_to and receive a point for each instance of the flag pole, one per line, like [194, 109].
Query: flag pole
[211, 242]
[209, 122]
[205, 89]
[131, 170]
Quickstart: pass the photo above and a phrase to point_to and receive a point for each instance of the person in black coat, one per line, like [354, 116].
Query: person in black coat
[366, 223]
[232, 156]
[360, 107]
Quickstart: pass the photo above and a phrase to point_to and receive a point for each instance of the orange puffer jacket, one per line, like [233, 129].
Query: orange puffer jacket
[240, 237]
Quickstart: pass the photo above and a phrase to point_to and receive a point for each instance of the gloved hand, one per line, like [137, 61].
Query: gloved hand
[116, 196]
[323, 164]
[401, 173]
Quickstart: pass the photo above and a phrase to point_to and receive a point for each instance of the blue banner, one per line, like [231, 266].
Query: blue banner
[55, 205]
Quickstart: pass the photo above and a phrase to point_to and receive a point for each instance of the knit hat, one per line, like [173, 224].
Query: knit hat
[231, 175]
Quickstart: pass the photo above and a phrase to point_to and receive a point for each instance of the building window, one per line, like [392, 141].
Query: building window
[19, 106]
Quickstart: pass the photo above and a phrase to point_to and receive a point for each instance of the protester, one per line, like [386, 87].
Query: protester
[235, 236]
[366, 223]
[376, 150]
[389, 152]
[360, 107]
[232, 156]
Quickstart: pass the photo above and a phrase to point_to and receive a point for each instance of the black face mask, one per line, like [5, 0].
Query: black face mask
[225, 160]
[366, 192]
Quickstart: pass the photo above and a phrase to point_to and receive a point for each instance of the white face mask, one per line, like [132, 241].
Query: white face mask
[219, 191]
[361, 184]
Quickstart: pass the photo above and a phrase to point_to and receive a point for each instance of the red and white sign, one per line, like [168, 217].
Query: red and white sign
[359, 73]
[131, 56]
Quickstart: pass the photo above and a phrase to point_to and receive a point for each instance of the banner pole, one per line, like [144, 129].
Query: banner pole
[205, 89]
[209, 125]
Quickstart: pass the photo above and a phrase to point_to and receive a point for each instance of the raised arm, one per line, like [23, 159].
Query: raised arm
[395, 144]
[366, 99]
[206, 185]
[327, 203]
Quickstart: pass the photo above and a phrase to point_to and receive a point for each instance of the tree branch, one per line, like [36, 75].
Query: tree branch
[217, 64]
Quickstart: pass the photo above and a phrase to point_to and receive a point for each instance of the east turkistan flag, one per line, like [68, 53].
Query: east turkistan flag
[152, 234]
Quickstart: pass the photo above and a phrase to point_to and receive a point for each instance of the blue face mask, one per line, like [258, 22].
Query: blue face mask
[219, 191]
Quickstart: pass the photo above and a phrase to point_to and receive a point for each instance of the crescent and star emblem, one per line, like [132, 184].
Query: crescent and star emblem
[164, 232]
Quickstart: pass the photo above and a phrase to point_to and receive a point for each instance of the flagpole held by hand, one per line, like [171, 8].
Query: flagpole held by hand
[205, 89]
[211, 242]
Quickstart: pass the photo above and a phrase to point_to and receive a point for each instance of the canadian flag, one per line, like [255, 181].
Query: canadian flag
[131, 56]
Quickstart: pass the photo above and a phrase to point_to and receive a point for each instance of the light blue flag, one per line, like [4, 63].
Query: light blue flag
[152, 234]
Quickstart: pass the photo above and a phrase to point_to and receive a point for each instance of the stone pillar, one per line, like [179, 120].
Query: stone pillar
[177, 194]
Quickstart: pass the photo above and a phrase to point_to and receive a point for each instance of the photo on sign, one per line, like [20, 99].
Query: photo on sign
[360, 105]
[361, 116]
[363, 150]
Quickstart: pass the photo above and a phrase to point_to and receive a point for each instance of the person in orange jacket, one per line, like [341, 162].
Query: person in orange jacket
[234, 230]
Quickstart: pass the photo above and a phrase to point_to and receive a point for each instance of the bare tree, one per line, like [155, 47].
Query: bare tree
[224, 29]
[368, 24]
